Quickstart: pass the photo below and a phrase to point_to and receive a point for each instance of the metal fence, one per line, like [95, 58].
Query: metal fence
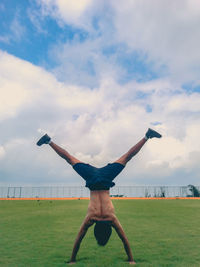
[81, 191]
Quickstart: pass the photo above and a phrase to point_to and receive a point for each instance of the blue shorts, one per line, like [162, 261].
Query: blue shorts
[98, 178]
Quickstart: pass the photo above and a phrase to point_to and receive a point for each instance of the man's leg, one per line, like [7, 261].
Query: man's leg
[64, 154]
[135, 149]
[132, 152]
[60, 151]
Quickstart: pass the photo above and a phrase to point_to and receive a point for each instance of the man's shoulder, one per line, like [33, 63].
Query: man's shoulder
[89, 221]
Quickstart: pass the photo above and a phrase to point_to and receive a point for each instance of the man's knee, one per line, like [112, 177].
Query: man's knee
[121, 161]
[73, 161]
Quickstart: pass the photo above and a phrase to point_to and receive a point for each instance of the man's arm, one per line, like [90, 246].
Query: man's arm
[83, 230]
[116, 224]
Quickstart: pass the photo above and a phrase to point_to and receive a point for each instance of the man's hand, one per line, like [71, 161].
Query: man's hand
[83, 230]
[116, 224]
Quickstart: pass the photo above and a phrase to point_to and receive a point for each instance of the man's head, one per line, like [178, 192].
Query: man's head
[102, 232]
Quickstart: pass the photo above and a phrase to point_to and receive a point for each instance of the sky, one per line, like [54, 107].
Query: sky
[95, 75]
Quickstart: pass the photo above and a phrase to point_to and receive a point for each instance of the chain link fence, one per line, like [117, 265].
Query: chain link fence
[117, 191]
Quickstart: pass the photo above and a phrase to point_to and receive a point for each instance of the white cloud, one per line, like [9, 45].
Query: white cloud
[11, 99]
[165, 32]
[96, 125]
[21, 83]
[83, 63]
[185, 103]
[77, 97]
[2, 152]
[168, 31]
[70, 12]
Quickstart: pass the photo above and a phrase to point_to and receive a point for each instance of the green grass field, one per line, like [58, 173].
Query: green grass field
[41, 233]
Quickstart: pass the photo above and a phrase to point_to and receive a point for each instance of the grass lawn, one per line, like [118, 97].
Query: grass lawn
[41, 233]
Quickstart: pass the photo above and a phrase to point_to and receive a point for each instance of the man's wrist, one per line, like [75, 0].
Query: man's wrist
[130, 258]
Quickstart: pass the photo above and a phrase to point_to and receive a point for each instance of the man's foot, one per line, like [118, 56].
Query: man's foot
[132, 262]
[45, 139]
[151, 133]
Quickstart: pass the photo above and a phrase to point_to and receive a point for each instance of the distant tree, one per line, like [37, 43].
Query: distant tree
[195, 192]
[162, 192]
[147, 193]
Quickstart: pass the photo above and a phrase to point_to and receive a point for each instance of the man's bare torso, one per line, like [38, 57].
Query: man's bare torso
[100, 207]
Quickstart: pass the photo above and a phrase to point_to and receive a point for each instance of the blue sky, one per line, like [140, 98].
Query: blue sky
[27, 35]
[95, 75]
[33, 40]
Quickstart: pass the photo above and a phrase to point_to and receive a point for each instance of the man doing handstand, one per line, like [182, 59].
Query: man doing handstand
[99, 181]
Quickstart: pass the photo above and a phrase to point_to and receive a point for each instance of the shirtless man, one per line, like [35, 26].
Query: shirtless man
[99, 180]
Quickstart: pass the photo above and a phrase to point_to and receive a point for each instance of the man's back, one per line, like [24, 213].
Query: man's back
[100, 207]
